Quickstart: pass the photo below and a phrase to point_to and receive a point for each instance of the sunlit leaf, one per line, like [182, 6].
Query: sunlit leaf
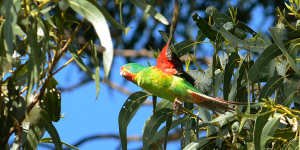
[148, 9]
[97, 70]
[95, 16]
[128, 110]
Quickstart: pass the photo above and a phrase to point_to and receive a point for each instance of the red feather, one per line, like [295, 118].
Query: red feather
[164, 63]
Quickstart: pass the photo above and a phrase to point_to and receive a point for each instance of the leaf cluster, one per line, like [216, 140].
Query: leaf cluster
[247, 67]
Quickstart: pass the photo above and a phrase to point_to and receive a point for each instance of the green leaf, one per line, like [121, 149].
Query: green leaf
[97, 70]
[229, 68]
[95, 16]
[272, 84]
[236, 91]
[204, 27]
[253, 45]
[202, 142]
[258, 127]
[11, 9]
[33, 137]
[161, 133]
[268, 130]
[223, 119]
[81, 65]
[128, 110]
[152, 125]
[293, 144]
[278, 35]
[164, 104]
[149, 10]
[50, 140]
[261, 69]
[54, 135]
[37, 58]
[184, 47]
[111, 19]
[287, 93]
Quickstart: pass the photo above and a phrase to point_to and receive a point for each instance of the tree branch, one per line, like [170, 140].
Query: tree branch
[149, 54]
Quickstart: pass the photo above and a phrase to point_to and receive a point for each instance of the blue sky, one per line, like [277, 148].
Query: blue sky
[85, 115]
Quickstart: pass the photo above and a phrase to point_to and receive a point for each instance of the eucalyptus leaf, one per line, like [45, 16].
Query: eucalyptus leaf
[33, 137]
[258, 127]
[95, 16]
[128, 110]
[11, 10]
[97, 70]
[228, 72]
[152, 124]
[278, 37]
[149, 9]
[54, 135]
[200, 144]
[204, 27]
[268, 131]
[261, 69]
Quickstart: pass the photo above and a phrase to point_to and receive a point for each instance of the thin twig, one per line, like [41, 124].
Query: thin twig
[116, 86]
[70, 60]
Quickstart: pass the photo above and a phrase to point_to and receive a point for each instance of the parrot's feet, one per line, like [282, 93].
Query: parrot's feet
[177, 106]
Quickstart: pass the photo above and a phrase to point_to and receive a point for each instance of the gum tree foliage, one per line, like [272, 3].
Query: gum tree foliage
[36, 35]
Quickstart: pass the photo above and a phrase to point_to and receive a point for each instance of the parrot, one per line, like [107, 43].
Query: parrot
[168, 79]
[171, 87]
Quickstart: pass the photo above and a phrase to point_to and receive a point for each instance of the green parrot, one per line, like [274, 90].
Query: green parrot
[168, 79]
[170, 86]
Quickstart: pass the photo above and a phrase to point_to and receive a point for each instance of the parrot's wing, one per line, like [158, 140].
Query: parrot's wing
[169, 63]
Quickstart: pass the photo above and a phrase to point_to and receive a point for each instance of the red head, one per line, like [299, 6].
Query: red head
[129, 71]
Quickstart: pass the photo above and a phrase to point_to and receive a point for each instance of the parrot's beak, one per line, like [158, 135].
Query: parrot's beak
[127, 75]
[122, 72]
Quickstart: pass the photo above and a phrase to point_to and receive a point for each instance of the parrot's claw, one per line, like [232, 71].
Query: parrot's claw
[177, 106]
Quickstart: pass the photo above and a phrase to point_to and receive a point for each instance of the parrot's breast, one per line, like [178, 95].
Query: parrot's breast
[156, 82]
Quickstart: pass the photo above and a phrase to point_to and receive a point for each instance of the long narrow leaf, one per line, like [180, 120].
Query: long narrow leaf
[54, 134]
[128, 110]
[278, 35]
[97, 70]
[95, 16]
[148, 9]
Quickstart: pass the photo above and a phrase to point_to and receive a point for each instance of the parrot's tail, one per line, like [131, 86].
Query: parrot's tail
[215, 104]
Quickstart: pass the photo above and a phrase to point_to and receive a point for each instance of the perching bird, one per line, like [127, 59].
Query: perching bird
[171, 87]
[168, 79]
